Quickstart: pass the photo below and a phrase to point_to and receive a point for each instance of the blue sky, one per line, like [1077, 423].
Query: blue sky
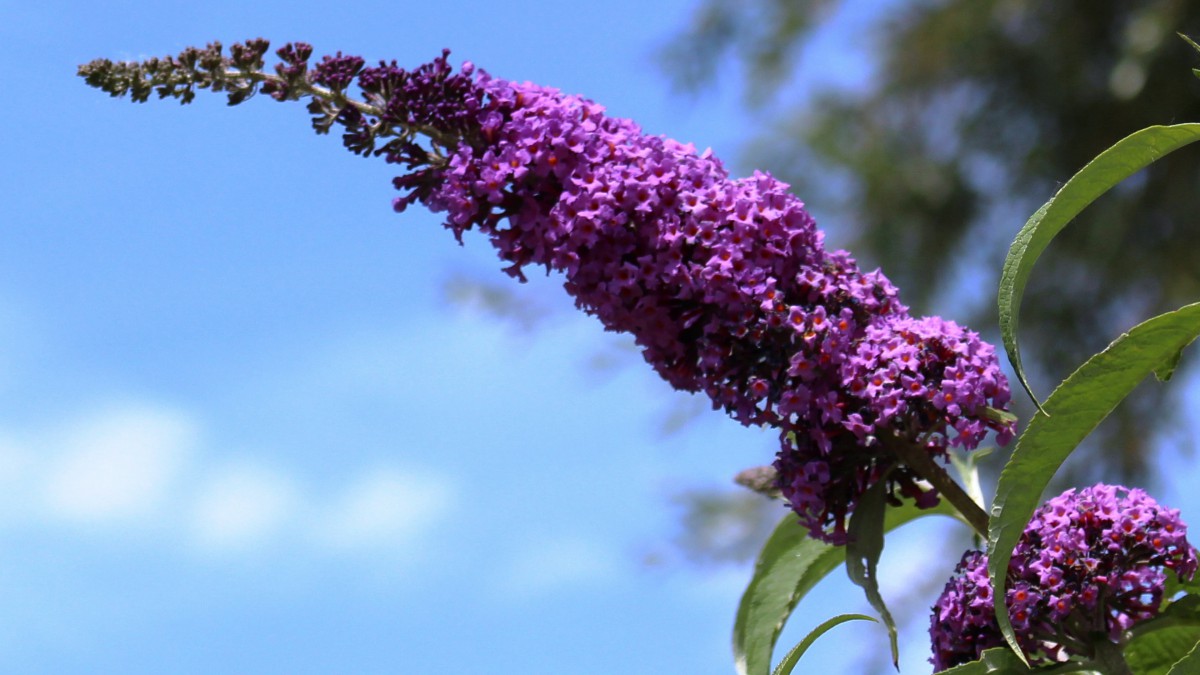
[243, 430]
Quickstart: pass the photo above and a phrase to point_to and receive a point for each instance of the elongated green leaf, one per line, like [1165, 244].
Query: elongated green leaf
[863, 551]
[1190, 41]
[1188, 665]
[789, 566]
[788, 664]
[966, 464]
[1155, 653]
[1072, 411]
[1115, 164]
[1159, 643]
[998, 661]
[1166, 371]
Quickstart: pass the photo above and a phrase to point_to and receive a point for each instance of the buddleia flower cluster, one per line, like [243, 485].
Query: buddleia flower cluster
[1090, 565]
[725, 284]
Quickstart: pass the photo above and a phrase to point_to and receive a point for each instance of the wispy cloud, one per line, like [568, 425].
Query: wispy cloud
[118, 465]
[561, 564]
[384, 508]
[142, 467]
[244, 506]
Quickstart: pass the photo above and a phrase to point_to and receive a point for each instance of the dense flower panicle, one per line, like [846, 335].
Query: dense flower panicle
[727, 287]
[1090, 563]
[725, 283]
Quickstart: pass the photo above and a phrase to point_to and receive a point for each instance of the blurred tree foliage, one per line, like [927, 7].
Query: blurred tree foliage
[975, 112]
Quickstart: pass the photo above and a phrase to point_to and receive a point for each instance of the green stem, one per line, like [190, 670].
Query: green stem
[761, 479]
[917, 458]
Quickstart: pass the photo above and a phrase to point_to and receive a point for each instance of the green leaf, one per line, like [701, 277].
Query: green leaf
[1072, 411]
[1157, 652]
[1166, 371]
[789, 566]
[789, 662]
[996, 661]
[966, 464]
[1189, 664]
[1190, 41]
[1157, 644]
[862, 554]
[1174, 585]
[1115, 164]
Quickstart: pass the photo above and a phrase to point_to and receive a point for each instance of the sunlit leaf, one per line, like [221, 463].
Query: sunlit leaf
[1112, 166]
[789, 662]
[966, 464]
[1071, 413]
[789, 566]
[1156, 653]
[1166, 371]
[1157, 644]
[863, 551]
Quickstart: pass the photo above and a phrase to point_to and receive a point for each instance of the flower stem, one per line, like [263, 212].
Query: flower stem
[762, 479]
[918, 459]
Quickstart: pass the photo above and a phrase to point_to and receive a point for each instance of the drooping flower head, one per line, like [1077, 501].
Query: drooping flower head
[1090, 564]
[724, 283]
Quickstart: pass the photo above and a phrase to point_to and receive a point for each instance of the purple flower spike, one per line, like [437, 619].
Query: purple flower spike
[727, 287]
[1090, 563]
[724, 283]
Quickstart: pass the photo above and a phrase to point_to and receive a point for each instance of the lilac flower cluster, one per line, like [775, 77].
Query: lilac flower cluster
[1090, 563]
[725, 284]
[727, 288]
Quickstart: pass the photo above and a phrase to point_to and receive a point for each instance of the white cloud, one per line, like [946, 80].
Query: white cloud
[385, 508]
[141, 468]
[243, 507]
[555, 565]
[119, 465]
